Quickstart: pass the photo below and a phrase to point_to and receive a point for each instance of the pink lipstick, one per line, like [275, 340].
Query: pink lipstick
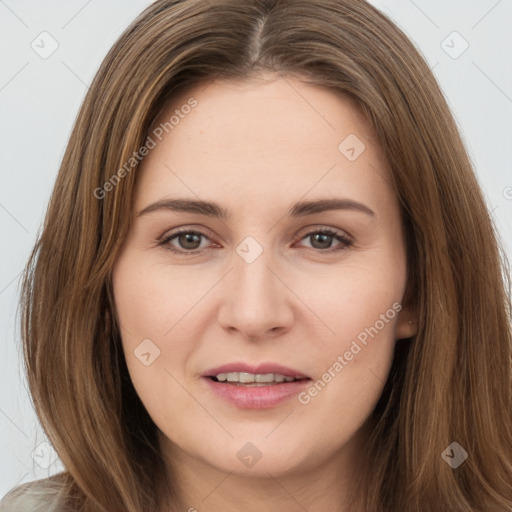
[265, 385]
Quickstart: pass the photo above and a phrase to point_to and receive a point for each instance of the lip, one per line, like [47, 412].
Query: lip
[256, 397]
[260, 368]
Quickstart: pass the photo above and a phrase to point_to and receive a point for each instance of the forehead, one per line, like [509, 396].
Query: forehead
[263, 137]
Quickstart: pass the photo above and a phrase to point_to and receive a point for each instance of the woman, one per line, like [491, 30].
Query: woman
[337, 336]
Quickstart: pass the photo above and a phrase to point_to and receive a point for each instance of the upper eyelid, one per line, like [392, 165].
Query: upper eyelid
[308, 231]
[205, 231]
[184, 229]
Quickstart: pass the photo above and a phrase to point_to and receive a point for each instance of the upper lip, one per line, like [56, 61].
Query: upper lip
[261, 368]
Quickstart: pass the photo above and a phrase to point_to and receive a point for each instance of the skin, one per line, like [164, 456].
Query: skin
[256, 147]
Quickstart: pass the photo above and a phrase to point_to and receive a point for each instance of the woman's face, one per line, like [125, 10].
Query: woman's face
[260, 293]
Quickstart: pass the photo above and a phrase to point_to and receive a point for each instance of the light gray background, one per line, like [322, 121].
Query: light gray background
[39, 100]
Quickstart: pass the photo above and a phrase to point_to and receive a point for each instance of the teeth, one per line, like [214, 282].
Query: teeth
[249, 378]
[264, 377]
[244, 377]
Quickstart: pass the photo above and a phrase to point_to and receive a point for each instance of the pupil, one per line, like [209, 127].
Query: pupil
[325, 238]
[193, 238]
[189, 237]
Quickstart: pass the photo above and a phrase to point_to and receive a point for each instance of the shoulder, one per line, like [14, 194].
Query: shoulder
[38, 496]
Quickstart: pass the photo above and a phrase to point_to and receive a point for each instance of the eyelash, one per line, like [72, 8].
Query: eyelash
[324, 231]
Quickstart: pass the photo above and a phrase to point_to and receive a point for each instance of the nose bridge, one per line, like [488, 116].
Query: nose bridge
[254, 275]
[253, 281]
[256, 301]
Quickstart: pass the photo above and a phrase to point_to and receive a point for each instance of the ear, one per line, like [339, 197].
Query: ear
[406, 324]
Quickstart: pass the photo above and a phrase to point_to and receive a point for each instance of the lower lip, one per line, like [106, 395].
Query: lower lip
[257, 397]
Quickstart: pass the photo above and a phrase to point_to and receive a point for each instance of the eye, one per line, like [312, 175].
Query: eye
[189, 241]
[322, 240]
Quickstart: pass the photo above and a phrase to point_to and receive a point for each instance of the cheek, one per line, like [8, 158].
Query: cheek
[351, 300]
[151, 307]
[360, 313]
[152, 298]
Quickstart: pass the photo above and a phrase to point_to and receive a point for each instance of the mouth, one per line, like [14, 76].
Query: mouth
[247, 379]
[249, 387]
[246, 373]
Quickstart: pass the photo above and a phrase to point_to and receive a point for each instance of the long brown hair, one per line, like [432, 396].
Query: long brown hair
[451, 382]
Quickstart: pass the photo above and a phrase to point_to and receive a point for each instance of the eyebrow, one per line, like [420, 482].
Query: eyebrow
[211, 209]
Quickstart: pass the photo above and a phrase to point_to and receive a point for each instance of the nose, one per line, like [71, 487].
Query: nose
[257, 303]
